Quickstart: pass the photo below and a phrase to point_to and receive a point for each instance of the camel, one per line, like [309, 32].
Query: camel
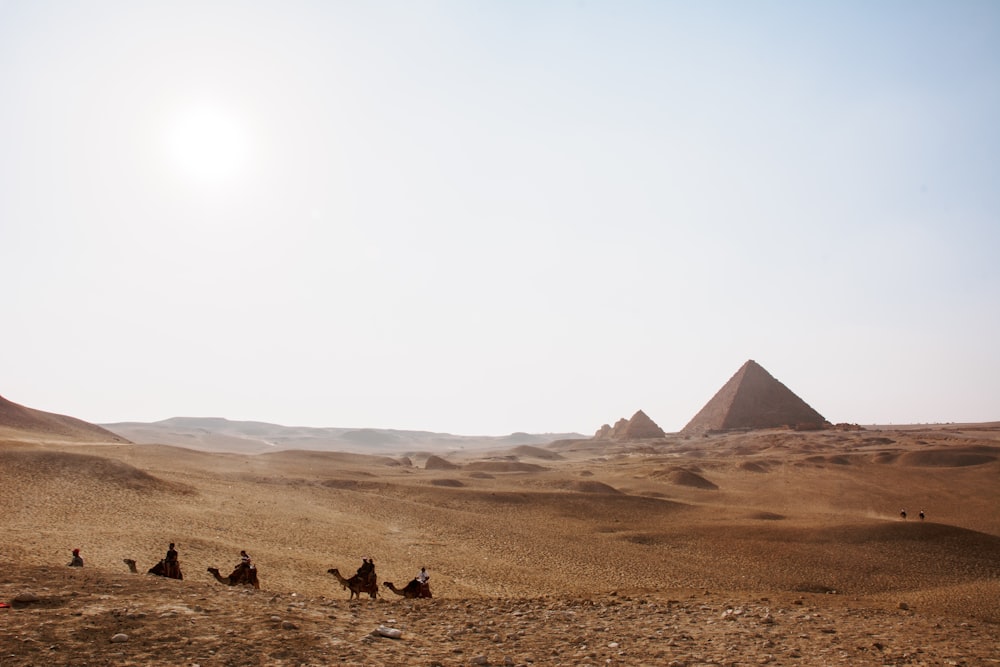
[241, 576]
[412, 590]
[357, 584]
[160, 569]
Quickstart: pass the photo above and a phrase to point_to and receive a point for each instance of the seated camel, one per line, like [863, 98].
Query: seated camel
[357, 584]
[161, 569]
[241, 576]
[414, 589]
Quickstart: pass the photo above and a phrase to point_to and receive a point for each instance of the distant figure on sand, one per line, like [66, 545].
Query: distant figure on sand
[902, 513]
[922, 515]
[171, 566]
[77, 561]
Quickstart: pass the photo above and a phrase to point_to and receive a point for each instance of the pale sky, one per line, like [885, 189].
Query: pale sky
[485, 216]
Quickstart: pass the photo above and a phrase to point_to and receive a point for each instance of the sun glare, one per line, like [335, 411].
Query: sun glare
[208, 144]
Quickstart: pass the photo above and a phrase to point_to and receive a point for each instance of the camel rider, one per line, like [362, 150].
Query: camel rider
[245, 562]
[77, 561]
[171, 566]
[423, 578]
[367, 570]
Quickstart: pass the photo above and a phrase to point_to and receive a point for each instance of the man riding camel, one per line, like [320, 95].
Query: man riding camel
[422, 578]
[367, 570]
[245, 562]
[171, 566]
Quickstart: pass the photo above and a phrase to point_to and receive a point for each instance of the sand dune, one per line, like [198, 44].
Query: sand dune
[21, 423]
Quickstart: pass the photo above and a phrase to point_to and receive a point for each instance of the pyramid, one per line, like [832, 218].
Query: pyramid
[753, 399]
[639, 427]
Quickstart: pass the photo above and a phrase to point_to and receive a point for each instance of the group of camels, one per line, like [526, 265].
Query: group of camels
[367, 583]
[363, 582]
[241, 576]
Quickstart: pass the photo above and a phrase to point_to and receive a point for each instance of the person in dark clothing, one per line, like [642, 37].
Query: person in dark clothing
[367, 570]
[77, 561]
[245, 562]
[171, 565]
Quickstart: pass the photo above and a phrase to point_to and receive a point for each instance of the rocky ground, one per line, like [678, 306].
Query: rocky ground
[92, 617]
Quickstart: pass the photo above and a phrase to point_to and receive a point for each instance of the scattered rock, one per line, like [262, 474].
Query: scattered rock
[386, 631]
[119, 638]
[26, 596]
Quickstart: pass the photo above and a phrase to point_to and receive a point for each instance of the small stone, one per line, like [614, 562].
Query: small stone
[904, 606]
[119, 638]
[26, 596]
[288, 625]
[275, 619]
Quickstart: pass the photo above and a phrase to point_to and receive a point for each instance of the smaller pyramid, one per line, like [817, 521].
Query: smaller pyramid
[639, 427]
[753, 399]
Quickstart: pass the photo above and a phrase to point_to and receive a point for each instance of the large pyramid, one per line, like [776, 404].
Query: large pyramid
[754, 399]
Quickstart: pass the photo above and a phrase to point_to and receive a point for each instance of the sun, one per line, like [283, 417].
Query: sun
[208, 144]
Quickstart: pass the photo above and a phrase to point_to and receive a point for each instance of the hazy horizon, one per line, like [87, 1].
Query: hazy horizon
[485, 218]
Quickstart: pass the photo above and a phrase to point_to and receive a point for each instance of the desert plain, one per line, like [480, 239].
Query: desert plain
[774, 546]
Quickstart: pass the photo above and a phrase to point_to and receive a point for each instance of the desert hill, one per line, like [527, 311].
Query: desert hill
[18, 421]
[249, 437]
[785, 545]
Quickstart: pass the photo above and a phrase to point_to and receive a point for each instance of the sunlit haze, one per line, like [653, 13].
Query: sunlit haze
[487, 217]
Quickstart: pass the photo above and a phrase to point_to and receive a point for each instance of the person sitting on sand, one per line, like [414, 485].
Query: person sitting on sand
[902, 513]
[77, 561]
[922, 515]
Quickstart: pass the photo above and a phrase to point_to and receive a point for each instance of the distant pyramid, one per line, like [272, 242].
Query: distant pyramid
[754, 399]
[639, 427]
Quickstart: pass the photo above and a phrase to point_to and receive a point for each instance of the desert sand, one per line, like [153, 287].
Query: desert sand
[761, 547]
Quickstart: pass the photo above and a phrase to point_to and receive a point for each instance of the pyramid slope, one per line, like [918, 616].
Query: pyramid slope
[641, 427]
[753, 399]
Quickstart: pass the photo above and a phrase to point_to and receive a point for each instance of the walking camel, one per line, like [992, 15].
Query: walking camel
[357, 584]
